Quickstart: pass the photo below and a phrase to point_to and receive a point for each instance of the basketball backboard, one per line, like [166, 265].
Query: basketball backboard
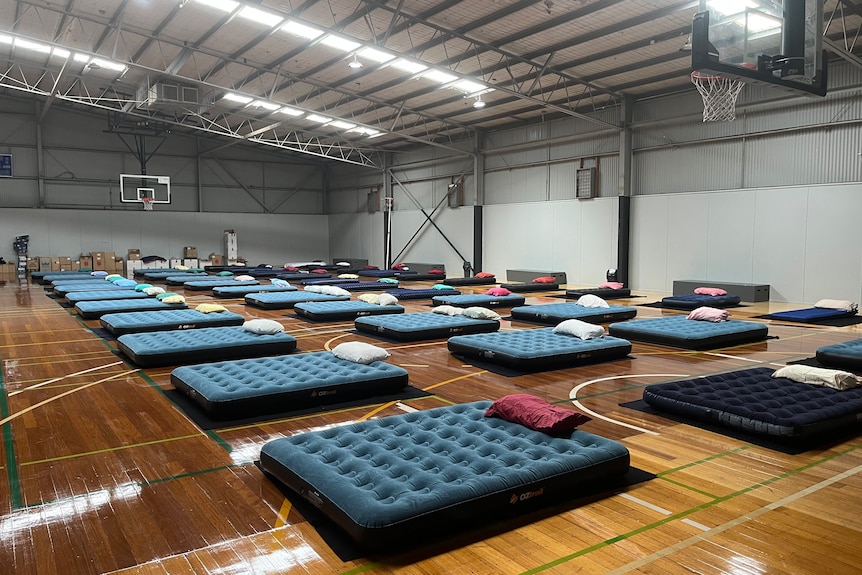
[134, 187]
[762, 42]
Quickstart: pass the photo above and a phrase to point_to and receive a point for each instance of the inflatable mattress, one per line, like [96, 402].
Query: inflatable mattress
[693, 300]
[425, 325]
[530, 287]
[286, 300]
[342, 310]
[142, 321]
[845, 355]
[554, 313]
[242, 291]
[677, 331]
[74, 297]
[199, 285]
[411, 293]
[478, 300]
[604, 293]
[96, 309]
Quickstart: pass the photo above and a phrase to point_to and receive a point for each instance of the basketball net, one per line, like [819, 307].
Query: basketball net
[719, 96]
[148, 204]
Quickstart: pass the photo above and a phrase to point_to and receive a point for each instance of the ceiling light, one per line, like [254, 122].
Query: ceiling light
[469, 86]
[27, 45]
[408, 66]
[260, 16]
[341, 125]
[291, 111]
[301, 30]
[102, 63]
[479, 103]
[232, 97]
[5, 39]
[439, 76]
[265, 105]
[339, 43]
[375, 55]
[83, 58]
[223, 5]
[61, 52]
[355, 64]
[318, 118]
[365, 131]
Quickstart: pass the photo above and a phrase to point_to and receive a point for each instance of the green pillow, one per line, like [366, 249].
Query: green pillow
[225, 274]
[387, 281]
[162, 296]
[113, 277]
[142, 287]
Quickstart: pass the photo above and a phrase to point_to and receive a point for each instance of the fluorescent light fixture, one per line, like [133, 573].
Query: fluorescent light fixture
[301, 30]
[469, 86]
[339, 43]
[438, 76]
[61, 52]
[28, 45]
[223, 5]
[364, 131]
[265, 105]
[5, 39]
[83, 58]
[376, 55]
[318, 118]
[260, 16]
[408, 66]
[101, 63]
[479, 103]
[355, 64]
[341, 125]
[232, 97]
[291, 111]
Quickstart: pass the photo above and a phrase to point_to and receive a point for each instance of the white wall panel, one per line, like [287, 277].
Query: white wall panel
[780, 231]
[687, 241]
[730, 236]
[429, 246]
[517, 185]
[649, 243]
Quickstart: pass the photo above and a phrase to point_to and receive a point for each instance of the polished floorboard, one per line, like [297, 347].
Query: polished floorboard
[101, 473]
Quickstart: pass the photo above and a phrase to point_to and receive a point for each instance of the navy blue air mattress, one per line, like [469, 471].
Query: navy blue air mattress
[342, 310]
[96, 309]
[63, 288]
[530, 287]
[694, 300]
[554, 313]
[538, 349]
[162, 275]
[366, 286]
[473, 281]
[159, 348]
[200, 285]
[845, 355]
[811, 314]
[288, 299]
[478, 300]
[142, 321]
[242, 291]
[677, 331]
[604, 293]
[425, 325]
[390, 481]
[753, 401]
[46, 278]
[74, 297]
[410, 293]
[384, 273]
[248, 387]
[179, 278]
[142, 272]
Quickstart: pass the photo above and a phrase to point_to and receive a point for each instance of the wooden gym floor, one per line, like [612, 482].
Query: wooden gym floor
[100, 473]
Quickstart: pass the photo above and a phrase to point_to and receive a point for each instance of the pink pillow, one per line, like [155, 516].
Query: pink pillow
[291, 269]
[370, 268]
[437, 272]
[544, 280]
[484, 275]
[319, 271]
[498, 291]
[709, 314]
[611, 285]
[536, 413]
[710, 291]
[398, 267]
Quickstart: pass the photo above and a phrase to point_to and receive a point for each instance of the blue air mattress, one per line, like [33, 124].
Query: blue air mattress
[538, 349]
[426, 325]
[161, 275]
[752, 400]
[286, 300]
[159, 348]
[845, 355]
[248, 387]
[199, 285]
[96, 309]
[408, 293]
[384, 273]
[604, 293]
[677, 331]
[367, 286]
[178, 279]
[554, 313]
[694, 300]
[299, 276]
[530, 287]
[46, 278]
[64, 288]
[390, 481]
[473, 281]
[811, 314]
[478, 300]
[74, 297]
[242, 291]
[141, 272]
[417, 277]
[342, 310]
[327, 281]
[143, 321]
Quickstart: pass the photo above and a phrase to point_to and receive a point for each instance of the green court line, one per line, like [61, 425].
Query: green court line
[192, 474]
[704, 460]
[212, 434]
[16, 498]
[109, 450]
[689, 487]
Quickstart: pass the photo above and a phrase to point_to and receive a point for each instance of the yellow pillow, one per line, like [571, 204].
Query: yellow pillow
[210, 308]
[368, 298]
[174, 299]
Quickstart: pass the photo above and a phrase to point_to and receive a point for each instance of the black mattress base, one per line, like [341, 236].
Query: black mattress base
[541, 363]
[604, 293]
[530, 287]
[428, 333]
[184, 357]
[473, 281]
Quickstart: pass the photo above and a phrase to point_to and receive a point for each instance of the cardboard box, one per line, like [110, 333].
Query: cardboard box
[134, 255]
[86, 262]
[191, 262]
[55, 265]
[216, 259]
[190, 252]
[7, 269]
[33, 264]
[44, 264]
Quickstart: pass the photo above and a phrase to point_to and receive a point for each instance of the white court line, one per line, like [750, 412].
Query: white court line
[646, 504]
[733, 357]
[700, 526]
[573, 395]
[56, 379]
[404, 407]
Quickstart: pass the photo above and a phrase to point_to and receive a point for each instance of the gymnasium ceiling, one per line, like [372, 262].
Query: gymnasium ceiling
[167, 65]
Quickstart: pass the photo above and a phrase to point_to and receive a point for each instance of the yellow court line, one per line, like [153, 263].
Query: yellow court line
[113, 449]
[56, 379]
[281, 519]
[48, 343]
[46, 358]
[454, 379]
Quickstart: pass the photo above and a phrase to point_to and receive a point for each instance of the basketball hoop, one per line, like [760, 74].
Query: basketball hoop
[719, 95]
[148, 204]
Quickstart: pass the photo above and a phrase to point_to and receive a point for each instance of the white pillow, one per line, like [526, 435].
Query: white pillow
[279, 282]
[833, 378]
[333, 290]
[591, 300]
[447, 310]
[154, 290]
[263, 326]
[844, 304]
[477, 312]
[386, 299]
[579, 329]
[348, 276]
[245, 278]
[359, 352]
[368, 297]
[314, 288]
[345, 264]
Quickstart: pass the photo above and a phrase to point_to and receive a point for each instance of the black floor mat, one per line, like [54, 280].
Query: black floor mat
[833, 322]
[205, 422]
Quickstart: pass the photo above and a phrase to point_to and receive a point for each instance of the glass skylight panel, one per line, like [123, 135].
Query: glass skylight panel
[260, 16]
[439, 76]
[341, 125]
[339, 43]
[223, 5]
[301, 30]
[408, 66]
[318, 118]
[469, 86]
[231, 97]
[265, 105]
[291, 111]
[375, 55]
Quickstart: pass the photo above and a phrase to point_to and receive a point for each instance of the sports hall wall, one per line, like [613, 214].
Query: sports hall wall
[772, 197]
[274, 204]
